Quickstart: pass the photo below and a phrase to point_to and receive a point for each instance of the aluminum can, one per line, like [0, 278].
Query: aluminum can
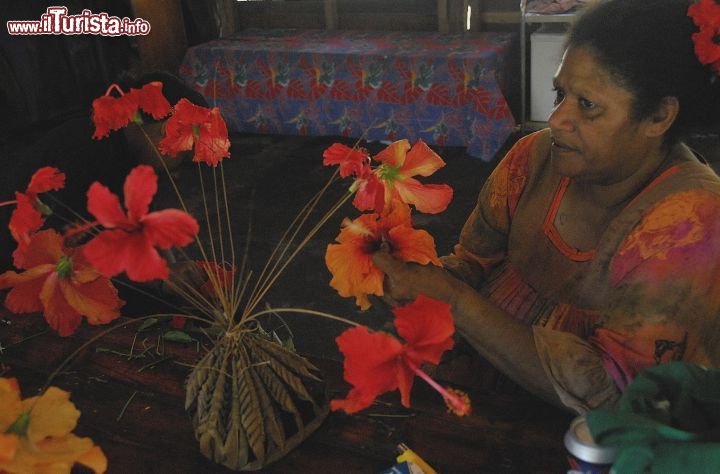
[584, 455]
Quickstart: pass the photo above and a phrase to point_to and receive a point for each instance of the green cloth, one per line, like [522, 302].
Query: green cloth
[667, 421]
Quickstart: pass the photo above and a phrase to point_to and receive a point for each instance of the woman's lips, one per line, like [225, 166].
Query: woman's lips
[560, 146]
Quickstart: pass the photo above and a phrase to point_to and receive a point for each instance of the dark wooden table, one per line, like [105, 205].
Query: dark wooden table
[133, 409]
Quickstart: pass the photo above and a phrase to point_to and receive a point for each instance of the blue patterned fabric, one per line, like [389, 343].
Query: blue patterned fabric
[445, 89]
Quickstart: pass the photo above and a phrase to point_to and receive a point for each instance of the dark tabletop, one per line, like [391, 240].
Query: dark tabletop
[133, 408]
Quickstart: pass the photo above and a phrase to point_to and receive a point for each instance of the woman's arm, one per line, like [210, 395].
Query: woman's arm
[503, 341]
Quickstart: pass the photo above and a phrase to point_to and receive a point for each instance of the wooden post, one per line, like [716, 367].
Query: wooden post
[164, 47]
[331, 14]
[443, 23]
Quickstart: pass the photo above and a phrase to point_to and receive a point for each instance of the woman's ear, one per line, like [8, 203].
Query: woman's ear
[663, 118]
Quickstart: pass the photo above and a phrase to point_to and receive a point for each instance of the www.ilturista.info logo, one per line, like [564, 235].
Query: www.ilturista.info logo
[56, 21]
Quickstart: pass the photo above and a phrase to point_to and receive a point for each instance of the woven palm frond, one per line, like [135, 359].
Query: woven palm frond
[251, 401]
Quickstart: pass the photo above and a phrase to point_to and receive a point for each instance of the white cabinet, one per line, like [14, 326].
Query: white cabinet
[546, 38]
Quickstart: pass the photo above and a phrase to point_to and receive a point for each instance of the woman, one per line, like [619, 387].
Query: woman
[594, 248]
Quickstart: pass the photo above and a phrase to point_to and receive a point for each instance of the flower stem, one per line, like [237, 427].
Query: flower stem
[116, 87]
[305, 311]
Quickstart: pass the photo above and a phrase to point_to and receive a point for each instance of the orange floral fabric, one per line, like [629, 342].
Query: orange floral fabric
[649, 293]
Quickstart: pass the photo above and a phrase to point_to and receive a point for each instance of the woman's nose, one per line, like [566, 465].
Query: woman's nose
[561, 117]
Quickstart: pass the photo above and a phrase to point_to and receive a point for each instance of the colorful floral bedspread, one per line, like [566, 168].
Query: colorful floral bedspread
[445, 89]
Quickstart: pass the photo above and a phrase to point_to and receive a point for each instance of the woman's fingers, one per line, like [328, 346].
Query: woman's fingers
[386, 262]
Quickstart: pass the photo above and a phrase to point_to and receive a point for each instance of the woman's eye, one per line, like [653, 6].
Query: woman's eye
[586, 104]
[559, 96]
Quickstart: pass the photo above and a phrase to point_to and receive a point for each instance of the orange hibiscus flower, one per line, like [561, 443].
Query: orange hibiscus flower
[192, 125]
[129, 244]
[394, 178]
[376, 362]
[36, 433]
[60, 283]
[350, 260]
[400, 163]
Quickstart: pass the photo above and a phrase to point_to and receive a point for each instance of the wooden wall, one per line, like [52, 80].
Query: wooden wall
[403, 15]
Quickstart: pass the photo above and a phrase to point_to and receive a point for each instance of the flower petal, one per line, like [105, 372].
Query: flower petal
[45, 179]
[8, 447]
[24, 296]
[25, 219]
[111, 252]
[10, 403]
[45, 247]
[351, 160]
[152, 101]
[350, 261]
[105, 206]
[212, 144]
[170, 227]
[405, 379]
[427, 326]
[58, 313]
[370, 195]
[51, 414]
[394, 154]
[94, 459]
[139, 189]
[428, 198]
[371, 366]
[180, 127]
[413, 245]
[353, 272]
[111, 113]
[97, 300]
[421, 160]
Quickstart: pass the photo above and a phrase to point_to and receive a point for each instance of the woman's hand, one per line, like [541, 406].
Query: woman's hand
[405, 281]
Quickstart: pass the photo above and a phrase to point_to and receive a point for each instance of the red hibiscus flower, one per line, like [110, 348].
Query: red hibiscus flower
[29, 214]
[350, 260]
[706, 49]
[219, 279]
[204, 128]
[113, 113]
[369, 191]
[399, 163]
[60, 283]
[129, 244]
[705, 13]
[376, 363]
[351, 160]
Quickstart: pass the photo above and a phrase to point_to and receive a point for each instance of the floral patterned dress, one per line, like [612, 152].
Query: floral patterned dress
[648, 293]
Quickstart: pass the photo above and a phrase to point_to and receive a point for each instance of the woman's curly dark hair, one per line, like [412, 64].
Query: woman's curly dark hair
[647, 47]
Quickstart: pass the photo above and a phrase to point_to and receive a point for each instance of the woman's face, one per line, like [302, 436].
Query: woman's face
[594, 137]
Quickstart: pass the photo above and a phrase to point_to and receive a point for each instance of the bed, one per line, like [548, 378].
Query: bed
[446, 89]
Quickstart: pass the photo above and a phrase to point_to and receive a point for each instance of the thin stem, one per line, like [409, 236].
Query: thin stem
[304, 311]
[167, 170]
[231, 291]
[127, 403]
[297, 250]
[8, 203]
[174, 185]
[116, 87]
[217, 215]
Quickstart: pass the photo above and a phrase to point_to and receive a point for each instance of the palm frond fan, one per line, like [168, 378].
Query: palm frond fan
[251, 401]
